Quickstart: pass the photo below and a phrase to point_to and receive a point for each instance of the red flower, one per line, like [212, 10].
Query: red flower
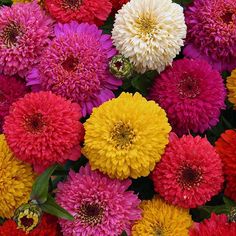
[217, 225]
[117, 4]
[91, 11]
[48, 226]
[230, 190]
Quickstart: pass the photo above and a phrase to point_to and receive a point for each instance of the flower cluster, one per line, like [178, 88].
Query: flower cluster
[117, 117]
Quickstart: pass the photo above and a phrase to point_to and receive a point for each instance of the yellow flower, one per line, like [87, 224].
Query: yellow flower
[160, 218]
[231, 86]
[16, 180]
[126, 136]
[25, 1]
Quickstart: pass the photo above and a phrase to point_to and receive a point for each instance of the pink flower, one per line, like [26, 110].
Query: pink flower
[192, 94]
[75, 66]
[43, 129]
[212, 32]
[10, 90]
[24, 32]
[189, 173]
[101, 206]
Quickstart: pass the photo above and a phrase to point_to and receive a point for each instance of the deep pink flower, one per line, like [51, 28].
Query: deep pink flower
[189, 173]
[43, 129]
[192, 94]
[10, 90]
[101, 206]
[217, 225]
[75, 66]
[24, 32]
[212, 32]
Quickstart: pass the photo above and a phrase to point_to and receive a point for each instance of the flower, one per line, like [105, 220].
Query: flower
[117, 4]
[230, 190]
[192, 94]
[79, 56]
[217, 225]
[126, 136]
[16, 180]
[10, 90]
[149, 33]
[160, 218]
[189, 173]
[100, 206]
[48, 226]
[28, 216]
[43, 129]
[121, 67]
[226, 148]
[232, 215]
[231, 86]
[91, 11]
[24, 32]
[211, 32]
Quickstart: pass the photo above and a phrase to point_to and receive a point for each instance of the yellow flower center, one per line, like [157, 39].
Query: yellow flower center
[123, 135]
[146, 25]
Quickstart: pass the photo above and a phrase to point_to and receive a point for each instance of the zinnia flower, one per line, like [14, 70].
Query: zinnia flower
[91, 11]
[79, 56]
[231, 86]
[126, 136]
[212, 32]
[43, 129]
[24, 32]
[192, 94]
[10, 90]
[189, 173]
[48, 226]
[217, 225]
[230, 190]
[16, 180]
[117, 4]
[160, 218]
[100, 206]
[149, 33]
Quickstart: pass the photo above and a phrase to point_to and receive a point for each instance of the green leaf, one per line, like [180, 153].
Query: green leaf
[41, 185]
[220, 209]
[51, 207]
[5, 2]
[1, 220]
[228, 202]
[124, 234]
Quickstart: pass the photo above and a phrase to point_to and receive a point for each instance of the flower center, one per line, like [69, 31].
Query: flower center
[71, 4]
[118, 65]
[189, 177]
[188, 87]
[227, 17]
[26, 222]
[158, 232]
[35, 123]
[146, 24]
[11, 34]
[91, 213]
[70, 64]
[123, 135]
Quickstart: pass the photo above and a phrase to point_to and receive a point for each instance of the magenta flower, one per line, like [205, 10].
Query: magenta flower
[24, 32]
[75, 66]
[101, 206]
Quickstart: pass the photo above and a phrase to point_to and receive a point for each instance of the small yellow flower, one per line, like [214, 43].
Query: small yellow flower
[28, 216]
[16, 180]
[231, 86]
[160, 218]
[126, 136]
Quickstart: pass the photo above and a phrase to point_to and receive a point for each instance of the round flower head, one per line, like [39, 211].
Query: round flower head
[48, 226]
[217, 225]
[212, 32]
[10, 90]
[43, 129]
[91, 11]
[231, 86]
[160, 218]
[192, 94]
[149, 33]
[100, 206]
[24, 32]
[16, 180]
[189, 173]
[79, 56]
[126, 136]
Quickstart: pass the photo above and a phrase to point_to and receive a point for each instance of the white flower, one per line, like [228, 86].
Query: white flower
[150, 33]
